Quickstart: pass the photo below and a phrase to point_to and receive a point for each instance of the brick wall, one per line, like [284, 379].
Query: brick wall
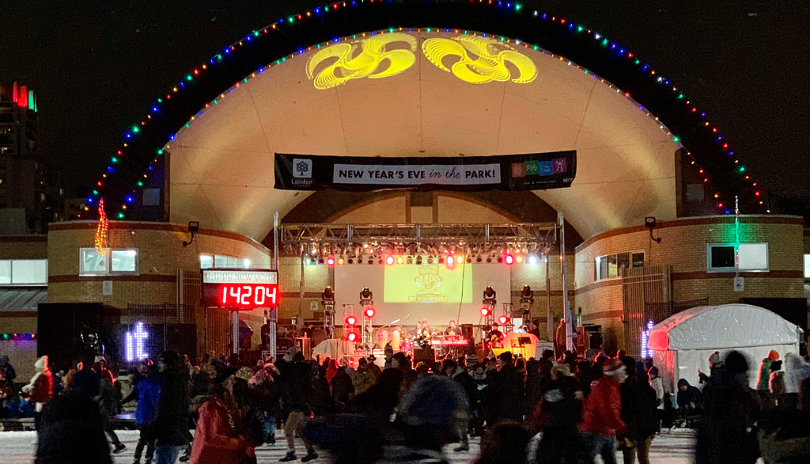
[161, 256]
[24, 247]
[683, 247]
[22, 354]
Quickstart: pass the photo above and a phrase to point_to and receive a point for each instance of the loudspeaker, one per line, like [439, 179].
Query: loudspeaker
[427, 355]
[594, 334]
[467, 331]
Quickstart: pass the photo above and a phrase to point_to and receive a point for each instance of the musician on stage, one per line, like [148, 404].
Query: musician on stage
[427, 331]
[495, 336]
[451, 329]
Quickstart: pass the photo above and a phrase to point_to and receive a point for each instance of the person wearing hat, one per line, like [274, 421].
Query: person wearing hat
[776, 384]
[765, 374]
[638, 413]
[602, 420]
[40, 389]
[730, 408]
[171, 421]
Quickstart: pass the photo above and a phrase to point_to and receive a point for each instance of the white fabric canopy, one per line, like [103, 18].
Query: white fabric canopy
[683, 342]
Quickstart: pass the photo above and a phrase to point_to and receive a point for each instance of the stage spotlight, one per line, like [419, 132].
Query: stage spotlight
[489, 259]
[509, 259]
[485, 311]
[330, 261]
[410, 260]
[469, 260]
[532, 259]
[451, 263]
[400, 260]
[389, 260]
[320, 260]
[419, 260]
[503, 320]
[459, 259]
[352, 337]
[370, 261]
[379, 261]
[430, 259]
[519, 259]
[351, 261]
[351, 319]
[441, 260]
[369, 312]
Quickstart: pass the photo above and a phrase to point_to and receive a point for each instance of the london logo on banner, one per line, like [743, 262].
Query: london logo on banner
[533, 171]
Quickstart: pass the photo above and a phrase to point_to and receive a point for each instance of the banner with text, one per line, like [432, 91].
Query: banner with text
[535, 171]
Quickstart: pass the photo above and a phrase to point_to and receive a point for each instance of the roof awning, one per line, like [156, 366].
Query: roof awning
[22, 298]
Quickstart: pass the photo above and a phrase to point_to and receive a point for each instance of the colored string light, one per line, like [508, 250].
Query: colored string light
[102, 231]
[516, 8]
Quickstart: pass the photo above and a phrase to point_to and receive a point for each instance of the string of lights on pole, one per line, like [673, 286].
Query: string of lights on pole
[611, 48]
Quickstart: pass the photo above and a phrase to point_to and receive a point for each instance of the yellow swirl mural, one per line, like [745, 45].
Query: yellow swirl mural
[361, 59]
[489, 64]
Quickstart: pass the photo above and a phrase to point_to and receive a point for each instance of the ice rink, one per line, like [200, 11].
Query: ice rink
[17, 448]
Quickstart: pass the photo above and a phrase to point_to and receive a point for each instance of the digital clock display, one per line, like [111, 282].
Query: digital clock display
[240, 289]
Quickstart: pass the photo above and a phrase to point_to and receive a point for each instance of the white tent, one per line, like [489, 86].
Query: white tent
[682, 343]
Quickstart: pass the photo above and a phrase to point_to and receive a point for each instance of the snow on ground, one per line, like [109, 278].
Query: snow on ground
[18, 448]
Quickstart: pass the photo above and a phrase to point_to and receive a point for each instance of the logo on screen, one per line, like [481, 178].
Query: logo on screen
[428, 283]
[302, 168]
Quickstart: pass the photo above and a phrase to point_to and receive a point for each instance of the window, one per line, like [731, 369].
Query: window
[608, 267]
[29, 271]
[753, 257]
[223, 262]
[115, 261]
[807, 266]
[24, 272]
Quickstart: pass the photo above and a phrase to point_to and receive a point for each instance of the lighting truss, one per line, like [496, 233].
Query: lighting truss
[412, 239]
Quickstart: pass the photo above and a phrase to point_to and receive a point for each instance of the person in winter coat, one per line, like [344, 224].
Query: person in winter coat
[730, 410]
[638, 413]
[148, 390]
[342, 388]
[776, 385]
[602, 420]
[215, 441]
[297, 392]
[71, 429]
[688, 399]
[363, 378]
[765, 374]
[505, 396]
[109, 404]
[467, 384]
[796, 371]
[40, 389]
[171, 422]
[558, 416]
[658, 386]
[505, 443]
[7, 371]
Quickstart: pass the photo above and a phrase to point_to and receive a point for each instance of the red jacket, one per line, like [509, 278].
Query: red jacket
[43, 388]
[213, 439]
[603, 409]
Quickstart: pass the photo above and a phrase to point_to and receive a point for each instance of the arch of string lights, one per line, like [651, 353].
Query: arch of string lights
[209, 82]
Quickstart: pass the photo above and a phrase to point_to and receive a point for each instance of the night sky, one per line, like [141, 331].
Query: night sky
[97, 66]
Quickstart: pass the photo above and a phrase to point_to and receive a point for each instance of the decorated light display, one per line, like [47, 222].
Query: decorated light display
[102, 230]
[135, 341]
[645, 338]
[500, 49]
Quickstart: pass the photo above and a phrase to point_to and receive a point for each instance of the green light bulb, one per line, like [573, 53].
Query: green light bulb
[140, 184]
[114, 159]
[120, 215]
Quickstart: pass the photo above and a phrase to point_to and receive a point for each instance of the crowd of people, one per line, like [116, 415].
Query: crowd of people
[546, 410]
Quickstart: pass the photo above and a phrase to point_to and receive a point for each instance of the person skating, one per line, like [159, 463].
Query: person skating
[148, 390]
[40, 389]
[297, 391]
[171, 423]
[216, 442]
[639, 404]
[602, 420]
